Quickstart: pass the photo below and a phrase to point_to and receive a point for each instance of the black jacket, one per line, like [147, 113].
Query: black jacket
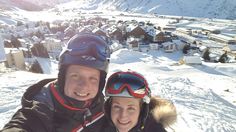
[162, 114]
[44, 110]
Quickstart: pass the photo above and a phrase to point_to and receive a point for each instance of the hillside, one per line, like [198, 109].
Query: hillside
[222, 9]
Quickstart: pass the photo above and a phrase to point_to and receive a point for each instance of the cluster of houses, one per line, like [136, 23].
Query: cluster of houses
[44, 39]
[211, 38]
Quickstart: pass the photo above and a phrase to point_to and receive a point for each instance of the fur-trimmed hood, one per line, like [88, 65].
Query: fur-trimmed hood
[163, 111]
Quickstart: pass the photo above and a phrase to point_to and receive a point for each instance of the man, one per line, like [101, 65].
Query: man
[72, 102]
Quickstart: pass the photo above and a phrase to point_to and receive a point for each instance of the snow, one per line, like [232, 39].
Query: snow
[2, 52]
[198, 91]
[204, 95]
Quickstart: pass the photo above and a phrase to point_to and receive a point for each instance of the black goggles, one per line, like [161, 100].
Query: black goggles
[94, 50]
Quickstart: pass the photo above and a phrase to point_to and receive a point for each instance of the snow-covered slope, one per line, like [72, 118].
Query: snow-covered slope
[204, 95]
[193, 8]
[224, 9]
[31, 5]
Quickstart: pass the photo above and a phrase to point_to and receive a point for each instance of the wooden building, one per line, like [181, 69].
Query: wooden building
[15, 58]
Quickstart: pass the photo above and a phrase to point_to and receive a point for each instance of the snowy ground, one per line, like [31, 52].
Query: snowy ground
[205, 95]
[197, 91]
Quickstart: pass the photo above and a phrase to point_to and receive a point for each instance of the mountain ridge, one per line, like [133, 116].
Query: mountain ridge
[221, 9]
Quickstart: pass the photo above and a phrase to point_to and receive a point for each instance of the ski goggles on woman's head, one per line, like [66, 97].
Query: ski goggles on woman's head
[132, 82]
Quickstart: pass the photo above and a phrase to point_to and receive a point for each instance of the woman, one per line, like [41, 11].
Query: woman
[130, 107]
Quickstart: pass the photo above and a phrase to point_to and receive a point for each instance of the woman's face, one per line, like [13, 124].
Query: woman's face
[125, 112]
[82, 83]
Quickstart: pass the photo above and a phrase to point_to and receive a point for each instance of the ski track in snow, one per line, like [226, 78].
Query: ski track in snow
[204, 107]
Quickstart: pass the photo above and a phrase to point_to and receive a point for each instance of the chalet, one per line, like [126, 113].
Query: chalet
[122, 27]
[52, 44]
[185, 37]
[116, 34]
[99, 19]
[39, 50]
[179, 44]
[153, 46]
[136, 31]
[192, 60]
[105, 27]
[184, 31]
[133, 43]
[168, 28]
[210, 43]
[208, 30]
[15, 58]
[115, 46]
[69, 32]
[159, 37]
[144, 47]
[100, 32]
[141, 23]
[169, 46]
[84, 30]
[222, 38]
[231, 49]
[111, 22]
[24, 42]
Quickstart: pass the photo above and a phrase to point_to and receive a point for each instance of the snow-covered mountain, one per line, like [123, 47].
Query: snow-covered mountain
[31, 5]
[194, 8]
[224, 9]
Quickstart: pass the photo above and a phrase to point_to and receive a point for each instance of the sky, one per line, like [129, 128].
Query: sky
[197, 91]
[204, 95]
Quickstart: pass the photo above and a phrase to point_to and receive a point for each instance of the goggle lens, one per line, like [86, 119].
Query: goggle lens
[134, 84]
[96, 50]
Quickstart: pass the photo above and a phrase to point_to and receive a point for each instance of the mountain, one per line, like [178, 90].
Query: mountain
[30, 5]
[222, 9]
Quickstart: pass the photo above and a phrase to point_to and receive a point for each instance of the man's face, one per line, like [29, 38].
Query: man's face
[81, 83]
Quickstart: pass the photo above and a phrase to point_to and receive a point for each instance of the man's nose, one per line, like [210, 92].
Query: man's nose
[83, 83]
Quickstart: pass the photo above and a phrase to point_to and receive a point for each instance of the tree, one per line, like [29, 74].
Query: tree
[186, 48]
[35, 67]
[223, 58]
[206, 55]
[15, 42]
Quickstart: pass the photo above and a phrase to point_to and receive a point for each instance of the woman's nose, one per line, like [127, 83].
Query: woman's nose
[123, 113]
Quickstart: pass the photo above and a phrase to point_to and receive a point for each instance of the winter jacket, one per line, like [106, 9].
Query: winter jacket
[162, 114]
[44, 110]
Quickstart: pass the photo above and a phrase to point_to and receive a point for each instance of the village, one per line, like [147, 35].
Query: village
[24, 42]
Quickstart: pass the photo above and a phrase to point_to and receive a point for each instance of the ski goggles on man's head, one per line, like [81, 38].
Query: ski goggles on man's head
[132, 82]
[89, 47]
[95, 51]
